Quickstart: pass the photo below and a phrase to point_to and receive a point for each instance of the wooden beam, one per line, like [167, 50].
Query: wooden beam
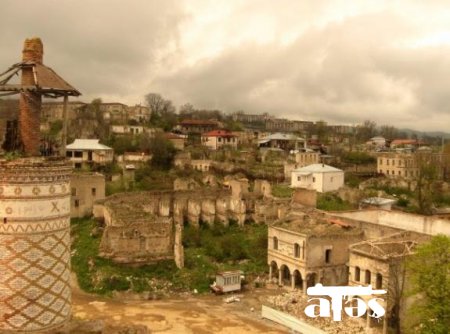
[64, 133]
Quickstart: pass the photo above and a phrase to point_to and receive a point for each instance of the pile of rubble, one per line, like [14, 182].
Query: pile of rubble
[294, 303]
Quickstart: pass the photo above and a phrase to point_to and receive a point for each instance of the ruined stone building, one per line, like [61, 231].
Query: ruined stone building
[361, 247]
[35, 292]
[304, 249]
[146, 226]
[53, 111]
[381, 263]
[85, 189]
[139, 230]
[143, 227]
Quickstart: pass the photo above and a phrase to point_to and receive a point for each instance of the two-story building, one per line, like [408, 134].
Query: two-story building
[408, 165]
[381, 263]
[84, 152]
[127, 129]
[197, 126]
[114, 112]
[217, 139]
[304, 250]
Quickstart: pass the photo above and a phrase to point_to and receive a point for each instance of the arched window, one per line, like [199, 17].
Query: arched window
[379, 282]
[357, 274]
[368, 277]
[275, 243]
[296, 250]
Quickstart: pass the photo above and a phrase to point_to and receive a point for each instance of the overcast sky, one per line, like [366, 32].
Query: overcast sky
[340, 61]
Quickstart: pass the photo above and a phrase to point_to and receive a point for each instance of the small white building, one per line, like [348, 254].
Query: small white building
[376, 141]
[227, 281]
[319, 177]
[88, 151]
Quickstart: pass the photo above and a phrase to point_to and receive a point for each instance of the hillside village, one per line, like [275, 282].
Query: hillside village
[165, 202]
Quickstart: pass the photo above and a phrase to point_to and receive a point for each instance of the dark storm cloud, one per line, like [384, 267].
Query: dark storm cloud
[340, 61]
[101, 47]
[344, 72]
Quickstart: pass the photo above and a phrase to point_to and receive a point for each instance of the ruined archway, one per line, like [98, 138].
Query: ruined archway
[311, 279]
[285, 275]
[273, 271]
[298, 280]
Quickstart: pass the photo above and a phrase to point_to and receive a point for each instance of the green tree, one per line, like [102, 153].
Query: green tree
[122, 144]
[366, 131]
[430, 277]
[426, 181]
[162, 151]
[163, 112]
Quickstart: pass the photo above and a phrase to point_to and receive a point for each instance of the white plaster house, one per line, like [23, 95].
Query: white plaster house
[88, 151]
[319, 177]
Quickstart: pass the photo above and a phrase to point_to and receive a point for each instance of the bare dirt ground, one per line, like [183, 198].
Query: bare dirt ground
[184, 314]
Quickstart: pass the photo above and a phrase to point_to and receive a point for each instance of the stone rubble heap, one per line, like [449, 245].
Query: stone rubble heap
[294, 303]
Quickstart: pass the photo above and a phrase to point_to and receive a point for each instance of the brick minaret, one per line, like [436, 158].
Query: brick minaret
[30, 102]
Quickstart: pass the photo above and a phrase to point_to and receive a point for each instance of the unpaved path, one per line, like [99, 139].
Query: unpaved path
[187, 314]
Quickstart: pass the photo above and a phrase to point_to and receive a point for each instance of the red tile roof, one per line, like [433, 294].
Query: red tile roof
[405, 142]
[219, 133]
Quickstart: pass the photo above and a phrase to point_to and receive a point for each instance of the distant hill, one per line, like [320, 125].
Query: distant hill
[420, 134]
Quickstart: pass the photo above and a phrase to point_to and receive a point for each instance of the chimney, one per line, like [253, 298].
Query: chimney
[33, 50]
[30, 102]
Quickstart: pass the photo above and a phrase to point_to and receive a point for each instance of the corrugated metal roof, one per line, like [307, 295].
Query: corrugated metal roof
[281, 136]
[87, 144]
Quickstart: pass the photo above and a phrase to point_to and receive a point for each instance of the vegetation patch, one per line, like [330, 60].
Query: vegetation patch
[208, 249]
[282, 191]
[331, 202]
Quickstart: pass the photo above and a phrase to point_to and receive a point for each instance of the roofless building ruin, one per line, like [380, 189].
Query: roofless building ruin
[35, 293]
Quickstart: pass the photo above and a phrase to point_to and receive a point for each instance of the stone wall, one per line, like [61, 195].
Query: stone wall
[145, 227]
[305, 197]
[397, 220]
[35, 290]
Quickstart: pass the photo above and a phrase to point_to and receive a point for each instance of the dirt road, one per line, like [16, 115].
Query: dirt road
[190, 314]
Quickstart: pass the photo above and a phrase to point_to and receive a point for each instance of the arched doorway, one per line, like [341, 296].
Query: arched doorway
[273, 271]
[298, 280]
[285, 275]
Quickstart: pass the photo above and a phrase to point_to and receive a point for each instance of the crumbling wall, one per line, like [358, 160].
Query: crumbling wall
[147, 226]
[185, 184]
[305, 197]
[139, 243]
[263, 188]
